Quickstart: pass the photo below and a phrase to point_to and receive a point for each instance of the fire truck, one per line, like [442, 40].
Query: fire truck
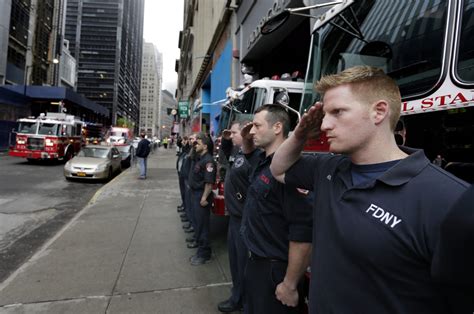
[244, 104]
[50, 136]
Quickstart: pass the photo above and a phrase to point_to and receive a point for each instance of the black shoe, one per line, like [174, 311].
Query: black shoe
[181, 210]
[190, 239]
[228, 306]
[189, 230]
[184, 219]
[192, 245]
[183, 215]
[198, 260]
[180, 206]
[187, 225]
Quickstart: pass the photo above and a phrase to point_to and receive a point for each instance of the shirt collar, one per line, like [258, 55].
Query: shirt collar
[399, 174]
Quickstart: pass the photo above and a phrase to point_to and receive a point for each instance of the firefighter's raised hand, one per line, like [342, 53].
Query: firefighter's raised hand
[245, 131]
[226, 134]
[248, 145]
[309, 126]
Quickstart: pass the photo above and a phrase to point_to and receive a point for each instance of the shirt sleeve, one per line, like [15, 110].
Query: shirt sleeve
[210, 171]
[302, 173]
[298, 206]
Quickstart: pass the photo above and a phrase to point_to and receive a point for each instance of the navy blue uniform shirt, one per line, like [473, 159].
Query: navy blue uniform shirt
[237, 181]
[274, 214]
[203, 171]
[374, 242]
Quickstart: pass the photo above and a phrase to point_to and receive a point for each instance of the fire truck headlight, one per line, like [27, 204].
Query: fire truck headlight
[49, 142]
[20, 141]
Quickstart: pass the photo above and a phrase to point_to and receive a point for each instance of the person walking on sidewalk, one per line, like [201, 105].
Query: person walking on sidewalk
[202, 178]
[276, 224]
[237, 180]
[143, 150]
[378, 206]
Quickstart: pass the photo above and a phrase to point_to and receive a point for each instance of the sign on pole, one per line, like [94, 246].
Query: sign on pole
[183, 109]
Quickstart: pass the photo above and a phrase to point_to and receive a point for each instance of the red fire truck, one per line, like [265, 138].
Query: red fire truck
[49, 136]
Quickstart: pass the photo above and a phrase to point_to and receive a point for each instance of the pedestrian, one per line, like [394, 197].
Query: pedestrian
[165, 142]
[237, 179]
[201, 180]
[143, 150]
[378, 206]
[274, 238]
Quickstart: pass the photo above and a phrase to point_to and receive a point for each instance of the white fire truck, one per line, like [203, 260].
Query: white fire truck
[243, 105]
[49, 136]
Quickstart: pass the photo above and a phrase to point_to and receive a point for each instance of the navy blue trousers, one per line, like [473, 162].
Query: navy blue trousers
[261, 279]
[188, 204]
[238, 257]
[202, 216]
[182, 190]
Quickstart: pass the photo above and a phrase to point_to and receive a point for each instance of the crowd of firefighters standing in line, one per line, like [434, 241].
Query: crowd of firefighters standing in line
[376, 243]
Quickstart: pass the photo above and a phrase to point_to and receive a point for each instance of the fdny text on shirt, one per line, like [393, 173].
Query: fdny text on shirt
[383, 215]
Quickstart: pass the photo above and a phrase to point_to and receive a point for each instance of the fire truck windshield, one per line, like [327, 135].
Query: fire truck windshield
[405, 38]
[27, 127]
[48, 129]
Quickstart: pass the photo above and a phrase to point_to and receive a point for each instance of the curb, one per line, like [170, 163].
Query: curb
[99, 191]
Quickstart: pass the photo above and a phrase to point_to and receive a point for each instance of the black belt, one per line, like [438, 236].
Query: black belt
[252, 256]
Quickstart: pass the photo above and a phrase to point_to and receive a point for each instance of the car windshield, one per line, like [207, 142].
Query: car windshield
[93, 152]
[123, 149]
[27, 128]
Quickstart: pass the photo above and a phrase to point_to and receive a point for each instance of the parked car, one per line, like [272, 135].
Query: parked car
[94, 162]
[128, 154]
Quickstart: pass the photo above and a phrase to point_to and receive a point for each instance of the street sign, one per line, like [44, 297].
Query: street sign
[183, 109]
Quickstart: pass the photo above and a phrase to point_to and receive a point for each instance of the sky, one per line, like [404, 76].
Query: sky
[163, 22]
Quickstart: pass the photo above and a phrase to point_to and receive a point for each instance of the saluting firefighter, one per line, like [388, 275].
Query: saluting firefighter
[201, 180]
[242, 161]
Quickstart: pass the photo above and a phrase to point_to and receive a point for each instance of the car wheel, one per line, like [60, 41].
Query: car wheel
[110, 174]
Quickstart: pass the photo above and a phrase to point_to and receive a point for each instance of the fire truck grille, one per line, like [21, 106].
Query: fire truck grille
[35, 143]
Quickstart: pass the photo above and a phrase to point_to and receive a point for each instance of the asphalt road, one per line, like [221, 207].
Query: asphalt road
[35, 202]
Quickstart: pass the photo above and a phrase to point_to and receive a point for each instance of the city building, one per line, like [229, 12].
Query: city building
[150, 90]
[168, 121]
[106, 39]
[204, 67]
[222, 46]
[30, 41]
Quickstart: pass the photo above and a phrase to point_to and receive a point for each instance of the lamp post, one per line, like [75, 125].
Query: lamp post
[56, 76]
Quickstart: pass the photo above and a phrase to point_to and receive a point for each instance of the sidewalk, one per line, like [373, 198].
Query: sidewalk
[124, 253]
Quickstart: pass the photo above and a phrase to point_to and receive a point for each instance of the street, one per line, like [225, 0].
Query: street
[125, 252]
[35, 202]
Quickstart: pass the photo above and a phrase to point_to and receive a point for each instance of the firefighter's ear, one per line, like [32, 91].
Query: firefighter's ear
[278, 128]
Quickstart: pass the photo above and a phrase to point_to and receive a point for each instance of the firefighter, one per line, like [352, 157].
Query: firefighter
[240, 166]
[201, 180]
[276, 224]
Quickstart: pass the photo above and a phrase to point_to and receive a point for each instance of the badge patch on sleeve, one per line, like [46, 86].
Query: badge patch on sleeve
[209, 167]
[239, 162]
